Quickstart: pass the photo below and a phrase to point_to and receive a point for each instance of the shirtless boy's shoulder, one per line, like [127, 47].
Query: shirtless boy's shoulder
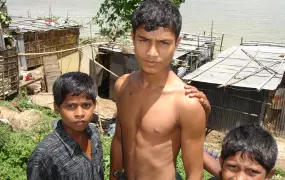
[120, 83]
[183, 102]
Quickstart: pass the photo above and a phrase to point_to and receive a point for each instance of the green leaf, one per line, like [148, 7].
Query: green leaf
[118, 14]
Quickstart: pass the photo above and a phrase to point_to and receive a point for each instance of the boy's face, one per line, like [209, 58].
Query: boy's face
[154, 50]
[240, 167]
[76, 112]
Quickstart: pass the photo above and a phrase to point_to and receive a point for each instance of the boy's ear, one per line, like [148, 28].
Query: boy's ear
[221, 162]
[56, 108]
[133, 37]
[178, 41]
[270, 174]
[221, 165]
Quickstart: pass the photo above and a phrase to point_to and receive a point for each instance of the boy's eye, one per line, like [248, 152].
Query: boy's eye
[70, 106]
[164, 43]
[143, 40]
[86, 106]
[232, 167]
[253, 172]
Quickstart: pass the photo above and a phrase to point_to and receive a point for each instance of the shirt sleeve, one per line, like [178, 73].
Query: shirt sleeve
[100, 149]
[36, 169]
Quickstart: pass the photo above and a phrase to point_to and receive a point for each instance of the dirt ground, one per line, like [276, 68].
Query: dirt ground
[21, 121]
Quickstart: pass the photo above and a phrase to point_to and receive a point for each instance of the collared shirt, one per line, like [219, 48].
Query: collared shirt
[59, 157]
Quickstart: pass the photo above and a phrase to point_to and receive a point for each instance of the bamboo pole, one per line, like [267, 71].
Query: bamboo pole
[259, 63]
[55, 52]
[215, 64]
[103, 67]
[225, 84]
[222, 42]
[253, 73]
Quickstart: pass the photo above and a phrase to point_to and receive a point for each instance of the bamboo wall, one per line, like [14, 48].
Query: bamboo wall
[9, 73]
[48, 41]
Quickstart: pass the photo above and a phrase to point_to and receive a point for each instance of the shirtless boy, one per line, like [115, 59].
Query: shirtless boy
[154, 117]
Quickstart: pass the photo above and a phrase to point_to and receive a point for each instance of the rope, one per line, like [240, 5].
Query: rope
[100, 65]
[54, 52]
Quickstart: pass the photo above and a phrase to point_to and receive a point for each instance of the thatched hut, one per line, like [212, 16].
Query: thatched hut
[38, 36]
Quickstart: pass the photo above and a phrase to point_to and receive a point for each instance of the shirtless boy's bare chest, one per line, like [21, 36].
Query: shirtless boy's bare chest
[147, 111]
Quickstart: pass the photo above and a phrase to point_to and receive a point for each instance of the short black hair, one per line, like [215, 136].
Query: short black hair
[254, 140]
[157, 13]
[76, 84]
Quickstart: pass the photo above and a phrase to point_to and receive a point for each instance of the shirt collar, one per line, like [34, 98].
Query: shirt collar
[67, 141]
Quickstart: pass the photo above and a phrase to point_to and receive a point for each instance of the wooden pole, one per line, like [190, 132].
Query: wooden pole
[198, 41]
[80, 59]
[212, 27]
[241, 40]
[212, 49]
[222, 42]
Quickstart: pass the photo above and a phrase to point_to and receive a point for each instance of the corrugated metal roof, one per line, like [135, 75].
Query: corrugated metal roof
[25, 24]
[233, 65]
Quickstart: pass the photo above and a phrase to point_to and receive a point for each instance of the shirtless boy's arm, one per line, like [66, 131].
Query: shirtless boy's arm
[116, 162]
[211, 165]
[116, 152]
[193, 123]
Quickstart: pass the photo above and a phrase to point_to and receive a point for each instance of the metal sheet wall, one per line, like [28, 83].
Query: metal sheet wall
[232, 107]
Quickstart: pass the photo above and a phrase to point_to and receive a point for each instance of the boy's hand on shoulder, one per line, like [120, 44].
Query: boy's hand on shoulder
[193, 92]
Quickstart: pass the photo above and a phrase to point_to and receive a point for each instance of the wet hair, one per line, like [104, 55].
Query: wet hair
[75, 84]
[157, 13]
[253, 140]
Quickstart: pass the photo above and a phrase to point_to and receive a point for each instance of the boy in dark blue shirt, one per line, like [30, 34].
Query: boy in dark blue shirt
[73, 150]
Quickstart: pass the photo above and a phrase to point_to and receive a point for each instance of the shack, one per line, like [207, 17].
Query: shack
[244, 86]
[193, 51]
[40, 35]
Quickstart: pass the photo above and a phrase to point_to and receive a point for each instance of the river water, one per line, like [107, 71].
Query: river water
[262, 20]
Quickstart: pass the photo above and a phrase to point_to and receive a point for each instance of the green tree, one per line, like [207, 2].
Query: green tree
[5, 20]
[114, 16]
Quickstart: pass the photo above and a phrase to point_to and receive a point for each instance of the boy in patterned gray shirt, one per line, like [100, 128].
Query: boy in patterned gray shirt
[73, 150]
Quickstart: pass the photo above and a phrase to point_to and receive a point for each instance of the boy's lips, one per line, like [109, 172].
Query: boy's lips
[79, 122]
[150, 63]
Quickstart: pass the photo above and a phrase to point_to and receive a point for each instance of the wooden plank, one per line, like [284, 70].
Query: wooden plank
[51, 70]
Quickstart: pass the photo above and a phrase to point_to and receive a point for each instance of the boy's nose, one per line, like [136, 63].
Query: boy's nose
[152, 51]
[79, 113]
[241, 176]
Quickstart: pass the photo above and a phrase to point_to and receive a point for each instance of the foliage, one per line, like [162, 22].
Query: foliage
[114, 16]
[15, 152]
[106, 141]
[5, 19]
